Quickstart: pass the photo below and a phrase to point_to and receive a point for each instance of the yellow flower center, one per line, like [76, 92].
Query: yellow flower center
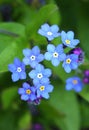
[42, 88]
[75, 82]
[68, 61]
[28, 91]
[67, 41]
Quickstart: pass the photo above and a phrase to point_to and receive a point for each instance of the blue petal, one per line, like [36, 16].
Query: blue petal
[48, 55]
[33, 64]
[50, 48]
[50, 37]
[74, 65]
[59, 48]
[39, 68]
[45, 27]
[27, 52]
[55, 61]
[67, 68]
[40, 57]
[69, 86]
[26, 85]
[15, 77]
[21, 91]
[44, 80]
[22, 75]
[70, 35]
[62, 57]
[45, 95]
[49, 88]
[32, 74]
[63, 36]
[78, 88]
[35, 50]
[17, 62]
[54, 28]
[75, 42]
[32, 97]
[41, 32]
[56, 34]
[36, 81]
[24, 97]
[47, 72]
[26, 60]
[12, 67]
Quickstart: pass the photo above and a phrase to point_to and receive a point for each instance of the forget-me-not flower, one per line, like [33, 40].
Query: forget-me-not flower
[50, 32]
[17, 69]
[55, 54]
[74, 83]
[43, 90]
[68, 39]
[70, 62]
[27, 92]
[40, 74]
[32, 56]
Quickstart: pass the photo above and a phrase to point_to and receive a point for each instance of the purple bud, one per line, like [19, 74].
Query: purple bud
[37, 126]
[86, 72]
[85, 80]
[78, 51]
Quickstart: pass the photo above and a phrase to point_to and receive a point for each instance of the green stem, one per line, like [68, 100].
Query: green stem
[9, 33]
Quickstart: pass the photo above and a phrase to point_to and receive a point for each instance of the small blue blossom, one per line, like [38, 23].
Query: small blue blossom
[68, 39]
[17, 69]
[32, 56]
[43, 90]
[74, 83]
[50, 32]
[27, 92]
[70, 62]
[55, 54]
[40, 75]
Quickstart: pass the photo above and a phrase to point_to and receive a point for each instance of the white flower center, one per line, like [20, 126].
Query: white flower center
[39, 75]
[49, 33]
[19, 69]
[32, 57]
[55, 54]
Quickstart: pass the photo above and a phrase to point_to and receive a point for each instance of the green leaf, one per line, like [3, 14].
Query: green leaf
[8, 95]
[25, 121]
[85, 92]
[66, 103]
[11, 46]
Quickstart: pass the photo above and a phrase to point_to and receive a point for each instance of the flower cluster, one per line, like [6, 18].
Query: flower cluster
[56, 54]
[38, 85]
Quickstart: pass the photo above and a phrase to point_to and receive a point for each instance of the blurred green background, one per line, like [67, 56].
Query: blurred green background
[64, 110]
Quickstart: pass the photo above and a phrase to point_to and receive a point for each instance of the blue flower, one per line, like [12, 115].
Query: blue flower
[40, 75]
[27, 92]
[17, 69]
[70, 62]
[55, 54]
[50, 32]
[43, 90]
[74, 83]
[32, 57]
[68, 39]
